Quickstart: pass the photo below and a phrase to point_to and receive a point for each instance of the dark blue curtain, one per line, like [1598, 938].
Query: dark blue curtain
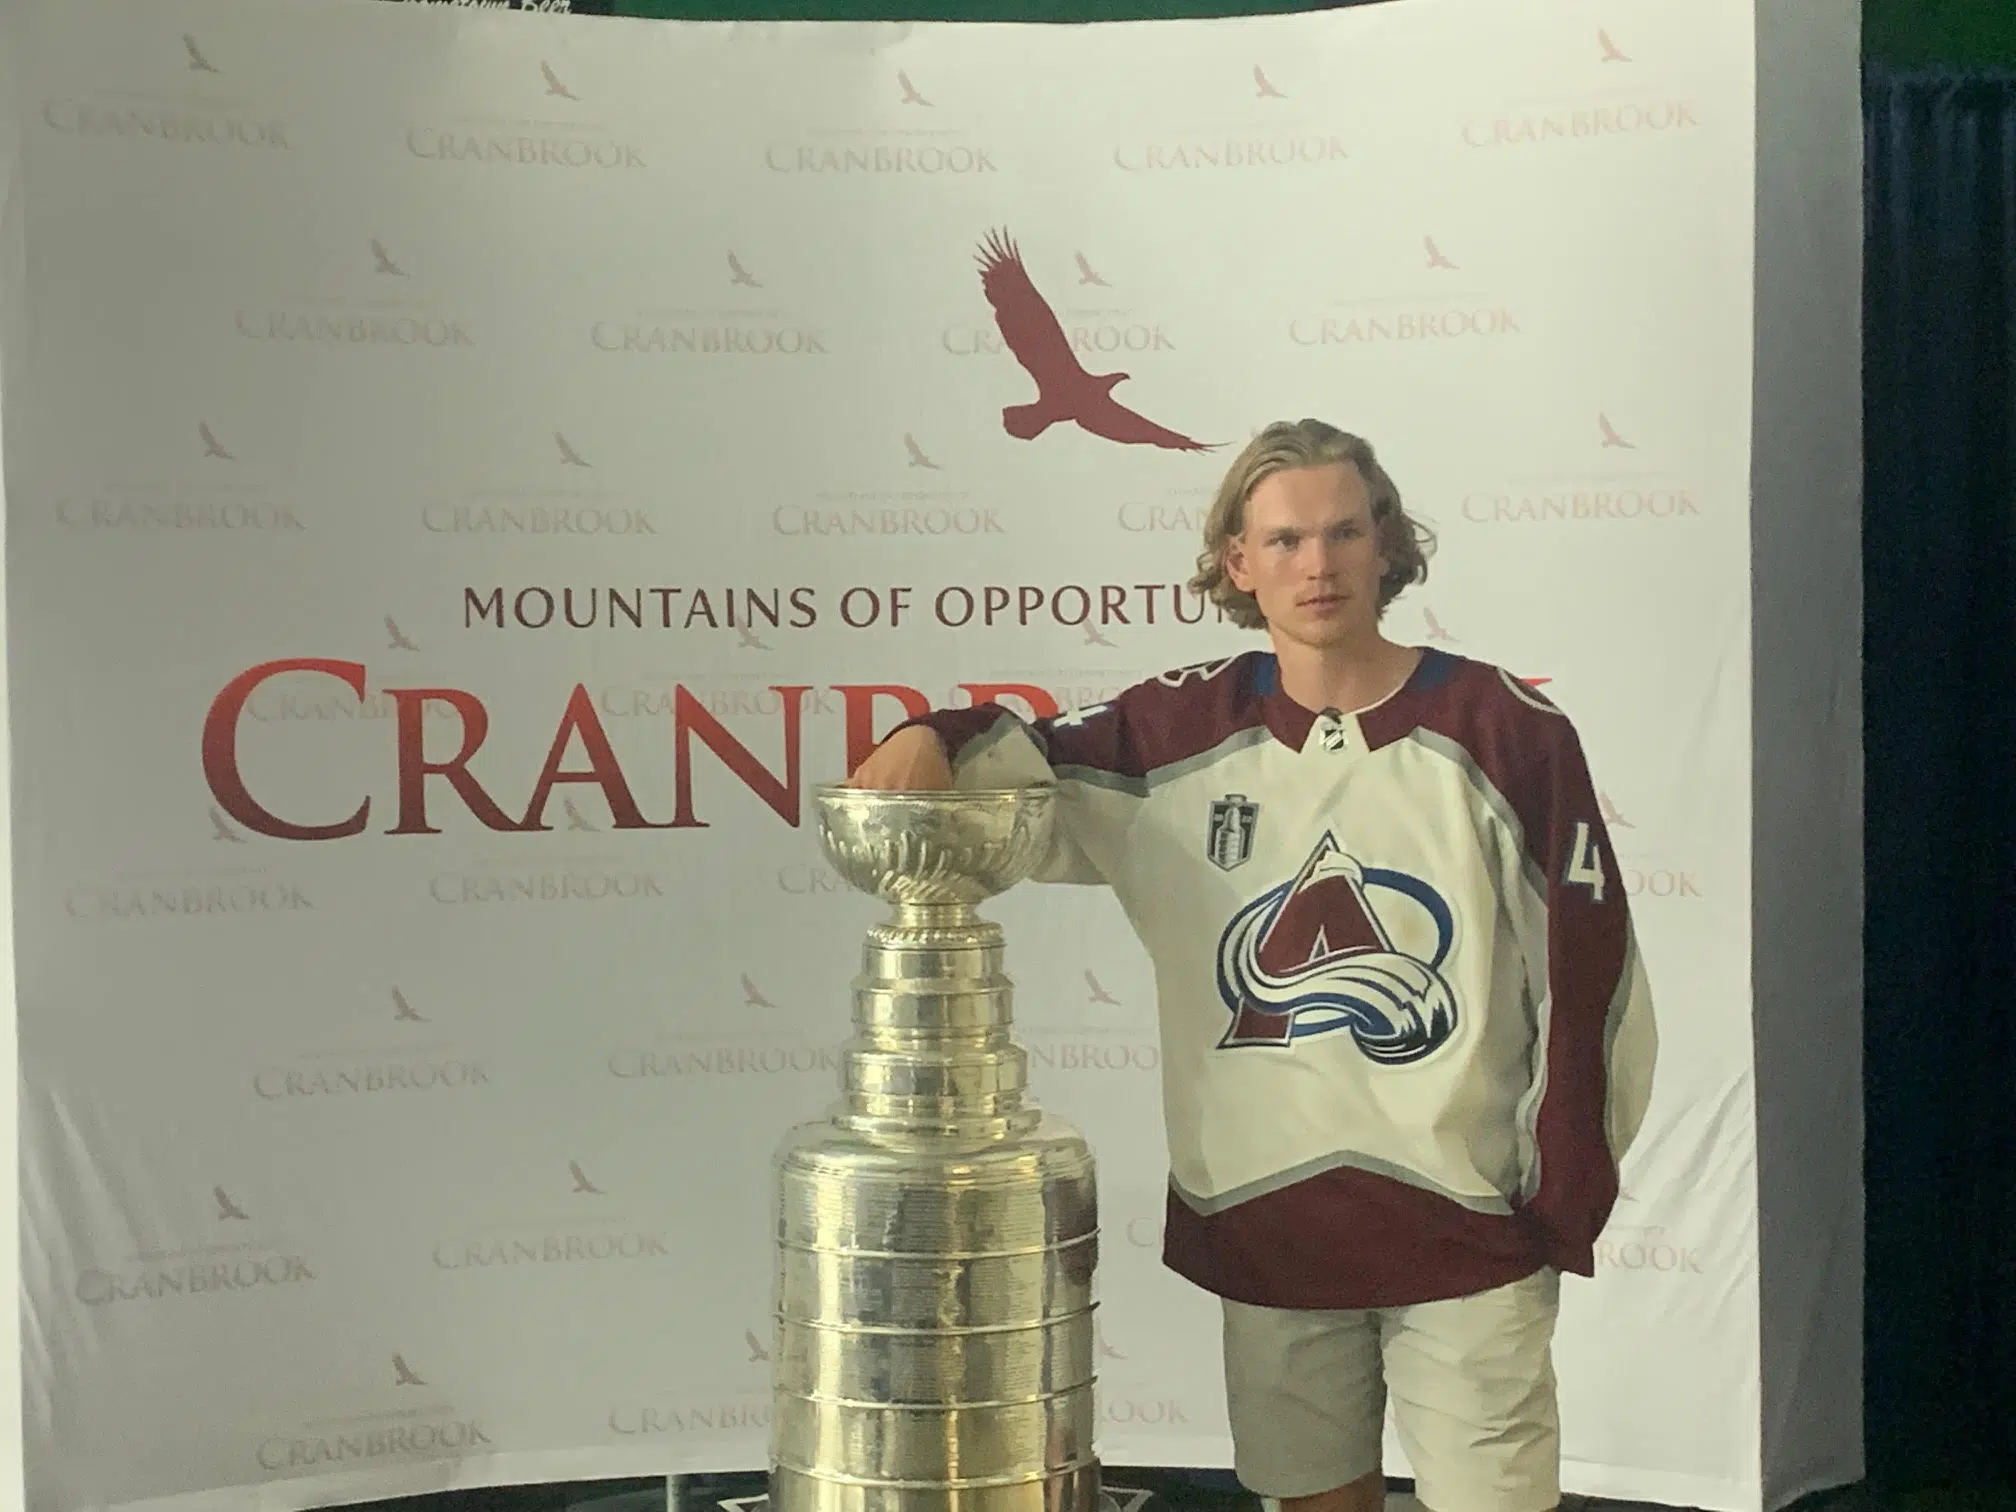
[1939, 558]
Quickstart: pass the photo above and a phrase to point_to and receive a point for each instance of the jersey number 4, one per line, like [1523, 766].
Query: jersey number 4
[1585, 864]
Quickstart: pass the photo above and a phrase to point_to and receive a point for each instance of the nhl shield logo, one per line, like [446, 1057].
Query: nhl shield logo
[1230, 840]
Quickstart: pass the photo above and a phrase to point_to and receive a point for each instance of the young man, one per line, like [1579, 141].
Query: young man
[1406, 1037]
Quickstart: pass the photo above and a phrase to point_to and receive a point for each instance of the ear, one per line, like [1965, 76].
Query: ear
[1234, 557]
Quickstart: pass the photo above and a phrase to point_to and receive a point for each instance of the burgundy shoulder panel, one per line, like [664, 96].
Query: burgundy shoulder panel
[1156, 723]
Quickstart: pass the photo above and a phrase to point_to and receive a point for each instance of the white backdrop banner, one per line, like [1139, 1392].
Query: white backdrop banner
[468, 476]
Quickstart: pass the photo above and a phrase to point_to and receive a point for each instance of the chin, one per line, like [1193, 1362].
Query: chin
[1324, 634]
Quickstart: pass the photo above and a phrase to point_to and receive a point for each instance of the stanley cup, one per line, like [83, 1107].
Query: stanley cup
[936, 1236]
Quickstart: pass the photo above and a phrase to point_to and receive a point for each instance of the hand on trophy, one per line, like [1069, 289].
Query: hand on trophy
[910, 761]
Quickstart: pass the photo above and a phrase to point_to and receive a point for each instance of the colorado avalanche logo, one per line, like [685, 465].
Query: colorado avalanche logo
[1312, 955]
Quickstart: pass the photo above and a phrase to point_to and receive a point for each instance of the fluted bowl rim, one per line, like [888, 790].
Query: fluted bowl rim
[914, 869]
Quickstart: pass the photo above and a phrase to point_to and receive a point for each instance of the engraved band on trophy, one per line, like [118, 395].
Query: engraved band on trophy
[936, 1237]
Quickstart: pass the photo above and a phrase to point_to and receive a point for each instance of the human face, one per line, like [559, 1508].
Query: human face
[1310, 556]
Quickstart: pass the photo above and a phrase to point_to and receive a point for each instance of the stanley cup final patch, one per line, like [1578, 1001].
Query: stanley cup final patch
[1229, 841]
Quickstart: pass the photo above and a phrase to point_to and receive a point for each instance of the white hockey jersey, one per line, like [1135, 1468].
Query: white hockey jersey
[1406, 1036]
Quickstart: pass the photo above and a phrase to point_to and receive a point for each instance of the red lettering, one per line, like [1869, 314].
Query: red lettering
[690, 718]
[603, 769]
[220, 751]
[415, 768]
[1041, 704]
[859, 699]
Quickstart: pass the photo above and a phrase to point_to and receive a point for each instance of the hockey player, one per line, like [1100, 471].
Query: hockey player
[1406, 1037]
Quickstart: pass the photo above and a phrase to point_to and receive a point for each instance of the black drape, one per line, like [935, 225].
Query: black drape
[1939, 559]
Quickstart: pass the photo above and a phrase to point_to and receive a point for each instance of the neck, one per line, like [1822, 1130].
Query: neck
[1346, 677]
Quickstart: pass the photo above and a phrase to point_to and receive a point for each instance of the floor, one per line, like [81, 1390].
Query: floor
[1127, 1490]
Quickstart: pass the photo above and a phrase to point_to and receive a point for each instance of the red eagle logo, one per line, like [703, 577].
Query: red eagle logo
[1065, 392]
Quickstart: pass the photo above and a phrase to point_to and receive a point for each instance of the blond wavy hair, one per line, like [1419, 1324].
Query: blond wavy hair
[1403, 541]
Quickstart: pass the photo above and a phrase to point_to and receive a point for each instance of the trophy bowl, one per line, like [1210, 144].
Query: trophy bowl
[938, 847]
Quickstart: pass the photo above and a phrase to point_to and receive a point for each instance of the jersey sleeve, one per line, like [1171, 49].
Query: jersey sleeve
[1089, 753]
[1596, 1042]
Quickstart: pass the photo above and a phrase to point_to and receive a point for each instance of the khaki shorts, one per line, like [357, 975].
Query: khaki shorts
[1471, 1383]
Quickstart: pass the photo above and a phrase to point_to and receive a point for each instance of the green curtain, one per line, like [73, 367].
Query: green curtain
[956, 10]
[1898, 32]
[1956, 33]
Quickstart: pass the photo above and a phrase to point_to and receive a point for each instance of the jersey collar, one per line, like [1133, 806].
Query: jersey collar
[1290, 723]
